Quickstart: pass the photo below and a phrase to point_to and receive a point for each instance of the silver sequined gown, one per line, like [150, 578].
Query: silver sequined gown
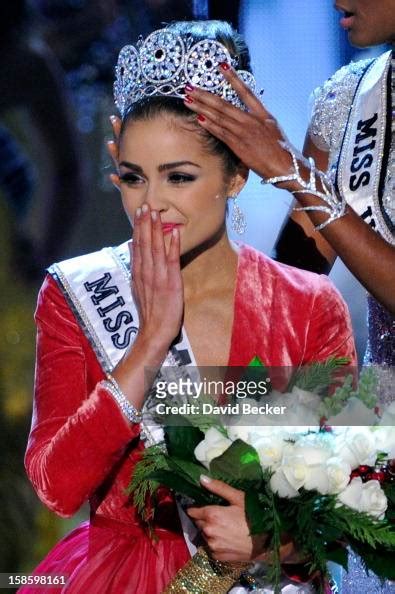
[331, 104]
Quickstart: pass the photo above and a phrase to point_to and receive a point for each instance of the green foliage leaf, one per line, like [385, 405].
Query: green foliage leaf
[332, 405]
[367, 387]
[179, 484]
[338, 555]
[363, 528]
[317, 377]
[238, 464]
[389, 490]
[274, 569]
[255, 513]
[181, 441]
[141, 486]
[188, 470]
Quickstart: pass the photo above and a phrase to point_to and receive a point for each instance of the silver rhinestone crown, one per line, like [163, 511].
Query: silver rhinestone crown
[163, 63]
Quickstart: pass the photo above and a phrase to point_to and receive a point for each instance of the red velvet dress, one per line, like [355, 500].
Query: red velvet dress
[81, 447]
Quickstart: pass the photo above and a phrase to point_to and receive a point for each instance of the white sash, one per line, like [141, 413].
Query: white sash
[361, 163]
[97, 287]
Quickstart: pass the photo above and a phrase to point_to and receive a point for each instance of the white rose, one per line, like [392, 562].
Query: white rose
[239, 431]
[357, 446]
[265, 431]
[388, 417]
[374, 501]
[296, 414]
[315, 448]
[309, 399]
[280, 485]
[305, 464]
[213, 445]
[270, 450]
[301, 420]
[295, 470]
[351, 496]
[302, 409]
[364, 497]
[354, 413]
[339, 472]
[317, 479]
[385, 440]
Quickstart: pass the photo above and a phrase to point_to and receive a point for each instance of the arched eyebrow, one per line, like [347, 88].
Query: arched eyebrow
[163, 167]
[167, 166]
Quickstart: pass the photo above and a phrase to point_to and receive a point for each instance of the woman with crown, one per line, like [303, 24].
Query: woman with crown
[181, 294]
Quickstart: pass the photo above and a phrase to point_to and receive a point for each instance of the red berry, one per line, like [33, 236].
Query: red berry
[376, 476]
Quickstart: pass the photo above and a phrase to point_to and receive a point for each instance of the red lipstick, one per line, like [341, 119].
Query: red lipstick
[168, 227]
[347, 21]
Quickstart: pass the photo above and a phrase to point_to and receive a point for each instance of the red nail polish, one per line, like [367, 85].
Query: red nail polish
[188, 99]
[201, 118]
[189, 88]
[224, 65]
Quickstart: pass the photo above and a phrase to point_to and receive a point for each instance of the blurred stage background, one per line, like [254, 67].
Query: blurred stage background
[56, 71]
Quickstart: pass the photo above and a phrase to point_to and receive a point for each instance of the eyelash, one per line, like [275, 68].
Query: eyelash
[182, 178]
[132, 179]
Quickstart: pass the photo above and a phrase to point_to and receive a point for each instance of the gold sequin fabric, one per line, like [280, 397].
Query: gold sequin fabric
[202, 575]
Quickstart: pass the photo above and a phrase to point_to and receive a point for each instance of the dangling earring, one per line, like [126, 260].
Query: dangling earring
[238, 221]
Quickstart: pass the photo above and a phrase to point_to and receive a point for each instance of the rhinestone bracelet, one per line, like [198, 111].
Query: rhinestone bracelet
[130, 412]
[335, 205]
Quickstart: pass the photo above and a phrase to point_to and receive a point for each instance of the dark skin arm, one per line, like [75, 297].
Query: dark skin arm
[256, 137]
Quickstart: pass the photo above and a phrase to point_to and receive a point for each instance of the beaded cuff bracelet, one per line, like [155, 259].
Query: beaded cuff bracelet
[335, 205]
[130, 412]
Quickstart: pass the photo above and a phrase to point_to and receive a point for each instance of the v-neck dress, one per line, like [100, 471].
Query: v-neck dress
[82, 448]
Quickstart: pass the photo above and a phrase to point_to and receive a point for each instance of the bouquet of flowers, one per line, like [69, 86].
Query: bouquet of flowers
[324, 473]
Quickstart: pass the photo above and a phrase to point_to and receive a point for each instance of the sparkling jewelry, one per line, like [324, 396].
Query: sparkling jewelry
[335, 205]
[203, 574]
[130, 412]
[163, 63]
[238, 221]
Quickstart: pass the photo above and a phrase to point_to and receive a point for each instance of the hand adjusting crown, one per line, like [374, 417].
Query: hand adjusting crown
[164, 63]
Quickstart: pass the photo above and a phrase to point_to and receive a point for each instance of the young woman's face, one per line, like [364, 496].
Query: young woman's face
[164, 163]
[368, 22]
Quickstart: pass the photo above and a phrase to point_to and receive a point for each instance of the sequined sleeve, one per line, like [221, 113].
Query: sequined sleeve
[330, 105]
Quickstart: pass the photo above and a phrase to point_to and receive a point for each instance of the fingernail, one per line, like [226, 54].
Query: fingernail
[138, 213]
[205, 479]
[224, 65]
[189, 88]
[188, 99]
[145, 208]
[174, 232]
[113, 119]
[201, 118]
[154, 215]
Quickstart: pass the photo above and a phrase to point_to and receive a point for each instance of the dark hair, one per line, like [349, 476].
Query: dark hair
[149, 107]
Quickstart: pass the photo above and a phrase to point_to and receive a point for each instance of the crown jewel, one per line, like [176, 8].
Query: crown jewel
[164, 63]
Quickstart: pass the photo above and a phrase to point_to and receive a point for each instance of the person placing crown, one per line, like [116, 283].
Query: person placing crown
[180, 294]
